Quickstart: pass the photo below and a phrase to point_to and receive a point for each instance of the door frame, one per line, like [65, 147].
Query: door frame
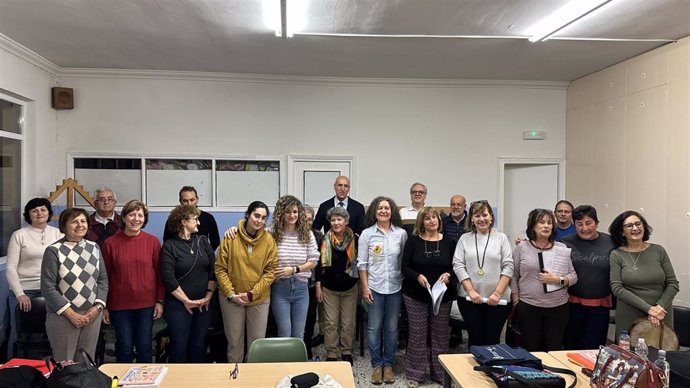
[503, 162]
[293, 159]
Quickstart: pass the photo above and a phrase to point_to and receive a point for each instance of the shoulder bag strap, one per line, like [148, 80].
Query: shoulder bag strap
[195, 238]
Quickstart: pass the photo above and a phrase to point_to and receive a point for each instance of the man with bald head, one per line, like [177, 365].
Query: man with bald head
[341, 198]
[454, 224]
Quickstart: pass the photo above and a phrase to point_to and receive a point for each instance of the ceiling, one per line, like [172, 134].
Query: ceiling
[230, 36]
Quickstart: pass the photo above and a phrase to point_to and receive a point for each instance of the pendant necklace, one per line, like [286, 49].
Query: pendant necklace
[191, 247]
[634, 262]
[480, 271]
[428, 254]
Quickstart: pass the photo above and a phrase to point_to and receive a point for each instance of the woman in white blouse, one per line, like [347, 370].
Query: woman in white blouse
[483, 263]
[379, 258]
[24, 255]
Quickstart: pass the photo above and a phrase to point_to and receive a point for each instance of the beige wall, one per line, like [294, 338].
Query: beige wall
[627, 145]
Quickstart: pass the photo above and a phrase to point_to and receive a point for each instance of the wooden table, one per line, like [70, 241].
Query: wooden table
[250, 375]
[459, 369]
[562, 357]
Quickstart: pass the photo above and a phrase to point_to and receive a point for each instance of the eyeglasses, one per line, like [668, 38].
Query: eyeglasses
[106, 200]
[638, 225]
[235, 372]
[192, 218]
[417, 192]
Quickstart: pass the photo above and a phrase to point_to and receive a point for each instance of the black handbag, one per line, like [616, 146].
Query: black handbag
[79, 375]
[22, 376]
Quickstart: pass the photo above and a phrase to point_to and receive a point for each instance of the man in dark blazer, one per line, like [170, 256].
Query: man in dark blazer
[354, 208]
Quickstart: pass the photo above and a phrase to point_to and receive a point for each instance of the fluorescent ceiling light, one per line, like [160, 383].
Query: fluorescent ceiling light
[294, 16]
[572, 12]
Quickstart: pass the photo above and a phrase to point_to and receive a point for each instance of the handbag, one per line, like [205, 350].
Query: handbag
[616, 367]
[516, 367]
[661, 337]
[79, 375]
[22, 376]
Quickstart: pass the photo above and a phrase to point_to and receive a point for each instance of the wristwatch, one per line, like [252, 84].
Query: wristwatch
[562, 281]
[99, 307]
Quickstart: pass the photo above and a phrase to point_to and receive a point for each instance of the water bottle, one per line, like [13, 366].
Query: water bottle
[641, 348]
[663, 367]
[624, 340]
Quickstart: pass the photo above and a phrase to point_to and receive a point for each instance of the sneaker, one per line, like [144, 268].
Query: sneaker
[388, 375]
[348, 358]
[412, 384]
[377, 376]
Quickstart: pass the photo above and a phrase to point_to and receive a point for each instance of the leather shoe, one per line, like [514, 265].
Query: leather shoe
[348, 358]
[388, 375]
[377, 375]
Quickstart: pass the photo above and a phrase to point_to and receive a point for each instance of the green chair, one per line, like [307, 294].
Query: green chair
[277, 350]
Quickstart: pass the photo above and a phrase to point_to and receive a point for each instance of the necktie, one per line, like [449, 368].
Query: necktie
[341, 204]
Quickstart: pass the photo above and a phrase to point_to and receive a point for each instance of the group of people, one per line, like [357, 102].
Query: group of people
[559, 283]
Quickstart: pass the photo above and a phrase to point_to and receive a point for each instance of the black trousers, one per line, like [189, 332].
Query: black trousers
[311, 322]
[587, 328]
[484, 322]
[542, 328]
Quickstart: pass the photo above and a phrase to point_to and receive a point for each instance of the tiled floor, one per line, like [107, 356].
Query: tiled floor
[362, 367]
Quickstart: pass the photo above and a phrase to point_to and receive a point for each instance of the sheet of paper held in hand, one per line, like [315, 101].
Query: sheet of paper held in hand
[556, 261]
[437, 295]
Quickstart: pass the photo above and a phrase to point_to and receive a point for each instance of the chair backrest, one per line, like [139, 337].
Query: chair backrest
[681, 324]
[32, 321]
[277, 350]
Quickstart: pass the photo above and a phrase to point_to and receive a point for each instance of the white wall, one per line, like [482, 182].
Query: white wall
[22, 79]
[628, 146]
[447, 136]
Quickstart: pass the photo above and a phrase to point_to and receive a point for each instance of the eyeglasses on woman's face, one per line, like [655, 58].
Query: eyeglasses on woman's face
[637, 224]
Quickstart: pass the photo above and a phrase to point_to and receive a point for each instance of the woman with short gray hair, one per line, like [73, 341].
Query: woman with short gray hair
[336, 287]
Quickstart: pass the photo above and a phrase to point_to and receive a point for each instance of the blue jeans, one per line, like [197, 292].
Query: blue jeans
[383, 313]
[133, 330]
[289, 303]
[13, 318]
[187, 331]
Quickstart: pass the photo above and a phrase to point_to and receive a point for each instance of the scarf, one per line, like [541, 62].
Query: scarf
[331, 242]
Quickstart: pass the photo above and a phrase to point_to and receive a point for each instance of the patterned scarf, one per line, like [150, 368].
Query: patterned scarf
[330, 242]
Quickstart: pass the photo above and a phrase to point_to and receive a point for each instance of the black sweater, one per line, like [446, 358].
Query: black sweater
[191, 271]
[591, 261]
[415, 262]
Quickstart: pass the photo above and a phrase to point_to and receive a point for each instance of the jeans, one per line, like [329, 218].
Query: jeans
[383, 313]
[187, 331]
[289, 303]
[13, 318]
[133, 330]
[587, 328]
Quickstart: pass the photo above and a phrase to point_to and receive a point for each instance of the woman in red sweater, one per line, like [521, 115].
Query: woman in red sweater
[131, 259]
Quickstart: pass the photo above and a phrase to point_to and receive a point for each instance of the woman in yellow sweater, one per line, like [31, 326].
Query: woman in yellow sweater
[245, 270]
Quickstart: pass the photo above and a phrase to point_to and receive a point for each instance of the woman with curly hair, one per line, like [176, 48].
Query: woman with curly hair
[297, 256]
[379, 257]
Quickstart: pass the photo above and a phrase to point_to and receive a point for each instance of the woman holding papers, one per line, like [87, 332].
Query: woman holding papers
[336, 285]
[427, 265]
[543, 272]
[483, 263]
[642, 277]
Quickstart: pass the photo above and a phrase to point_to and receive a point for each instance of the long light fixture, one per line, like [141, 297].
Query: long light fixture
[285, 17]
[572, 12]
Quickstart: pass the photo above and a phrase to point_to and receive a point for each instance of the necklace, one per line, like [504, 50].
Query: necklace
[634, 262]
[191, 247]
[480, 271]
[548, 246]
[435, 253]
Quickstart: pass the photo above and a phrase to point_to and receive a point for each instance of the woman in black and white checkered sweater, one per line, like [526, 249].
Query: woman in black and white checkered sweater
[75, 285]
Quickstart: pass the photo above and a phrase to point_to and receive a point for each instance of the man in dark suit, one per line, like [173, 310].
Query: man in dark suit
[354, 208]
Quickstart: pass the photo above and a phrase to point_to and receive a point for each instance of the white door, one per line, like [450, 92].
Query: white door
[311, 178]
[527, 186]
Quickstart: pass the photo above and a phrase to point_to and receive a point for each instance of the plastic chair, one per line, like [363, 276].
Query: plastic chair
[277, 350]
[32, 340]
